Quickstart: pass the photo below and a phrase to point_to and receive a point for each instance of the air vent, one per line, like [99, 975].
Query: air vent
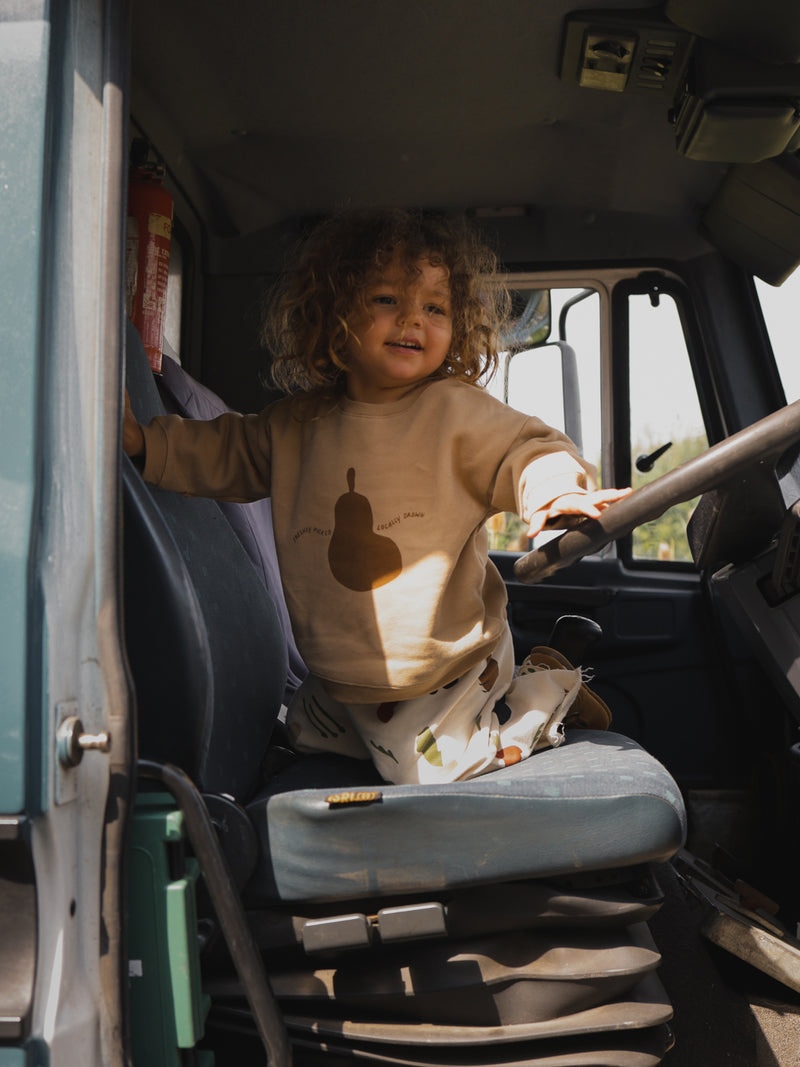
[656, 64]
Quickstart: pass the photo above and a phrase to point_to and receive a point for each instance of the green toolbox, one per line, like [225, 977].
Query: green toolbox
[168, 1008]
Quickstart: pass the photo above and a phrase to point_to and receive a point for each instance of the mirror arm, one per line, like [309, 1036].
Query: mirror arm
[571, 394]
[568, 305]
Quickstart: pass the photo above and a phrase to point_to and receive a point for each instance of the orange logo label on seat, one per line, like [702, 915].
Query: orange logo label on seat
[361, 796]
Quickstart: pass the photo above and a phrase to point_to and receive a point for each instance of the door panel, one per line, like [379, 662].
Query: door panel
[643, 403]
[657, 664]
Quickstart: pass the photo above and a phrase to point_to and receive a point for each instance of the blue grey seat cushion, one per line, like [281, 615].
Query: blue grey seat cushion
[597, 802]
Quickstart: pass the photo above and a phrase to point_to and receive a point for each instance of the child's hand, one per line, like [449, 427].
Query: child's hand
[132, 436]
[585, 505]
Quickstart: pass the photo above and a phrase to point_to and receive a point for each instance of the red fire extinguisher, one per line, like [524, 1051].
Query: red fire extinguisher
[149, 231]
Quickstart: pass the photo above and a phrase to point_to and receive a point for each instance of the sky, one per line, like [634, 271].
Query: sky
[781, 307]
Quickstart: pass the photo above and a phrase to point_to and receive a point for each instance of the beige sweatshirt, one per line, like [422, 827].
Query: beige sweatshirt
[379, 513]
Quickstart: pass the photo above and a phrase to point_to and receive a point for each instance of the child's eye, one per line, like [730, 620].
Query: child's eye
[384, 299]
[436, 309]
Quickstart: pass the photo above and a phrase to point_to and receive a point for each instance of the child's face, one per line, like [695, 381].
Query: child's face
[405, 335]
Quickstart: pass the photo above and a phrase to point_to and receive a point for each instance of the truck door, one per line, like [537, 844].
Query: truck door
[64, 742]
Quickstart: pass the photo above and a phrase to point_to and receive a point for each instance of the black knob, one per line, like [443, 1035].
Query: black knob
[573, 635]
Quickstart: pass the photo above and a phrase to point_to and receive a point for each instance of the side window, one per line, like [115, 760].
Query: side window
[666, 426]
[781, 309]
[551, 369]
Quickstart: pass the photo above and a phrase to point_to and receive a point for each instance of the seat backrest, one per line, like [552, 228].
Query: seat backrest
[252, 523]
[206, 649]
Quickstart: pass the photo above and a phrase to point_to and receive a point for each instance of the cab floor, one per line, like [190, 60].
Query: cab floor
[727, 1014]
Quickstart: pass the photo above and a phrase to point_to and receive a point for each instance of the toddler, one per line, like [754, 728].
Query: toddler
[384, 462]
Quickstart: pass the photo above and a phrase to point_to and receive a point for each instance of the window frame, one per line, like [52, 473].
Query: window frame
[614, 286]
[644, 283]
[570, 279]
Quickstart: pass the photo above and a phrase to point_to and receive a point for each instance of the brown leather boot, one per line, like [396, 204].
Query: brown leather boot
[588, 712]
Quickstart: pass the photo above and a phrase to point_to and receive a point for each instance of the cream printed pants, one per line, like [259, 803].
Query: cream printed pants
[485, 720]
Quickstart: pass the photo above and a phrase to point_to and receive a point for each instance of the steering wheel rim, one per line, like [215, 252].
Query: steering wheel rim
[764, 440]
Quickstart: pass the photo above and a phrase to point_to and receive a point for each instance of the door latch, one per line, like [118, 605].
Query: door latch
[72, 741]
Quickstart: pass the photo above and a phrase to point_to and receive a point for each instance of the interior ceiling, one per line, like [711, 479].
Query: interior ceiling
[272, 109]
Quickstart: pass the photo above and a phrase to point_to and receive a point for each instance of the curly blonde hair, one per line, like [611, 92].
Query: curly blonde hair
[307, 322]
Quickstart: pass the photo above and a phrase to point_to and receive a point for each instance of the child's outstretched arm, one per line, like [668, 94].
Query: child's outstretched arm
[581, 505]
[224, 458]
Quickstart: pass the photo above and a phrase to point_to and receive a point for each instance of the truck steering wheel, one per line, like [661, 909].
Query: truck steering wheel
[764, 441]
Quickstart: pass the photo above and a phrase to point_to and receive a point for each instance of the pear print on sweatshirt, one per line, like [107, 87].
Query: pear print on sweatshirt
[360, 559]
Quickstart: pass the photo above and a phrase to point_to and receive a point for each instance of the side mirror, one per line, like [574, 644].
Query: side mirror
[549, 365]
[529, 322]
[540, 375]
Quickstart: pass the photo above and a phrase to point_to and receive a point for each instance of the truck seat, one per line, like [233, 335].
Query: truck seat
[401, 923]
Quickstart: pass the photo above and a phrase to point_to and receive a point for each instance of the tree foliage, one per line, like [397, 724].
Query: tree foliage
[665, 537]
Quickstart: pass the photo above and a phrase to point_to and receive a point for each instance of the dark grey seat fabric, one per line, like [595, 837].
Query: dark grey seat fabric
[252, 523]
[598, 801]
[207, 653]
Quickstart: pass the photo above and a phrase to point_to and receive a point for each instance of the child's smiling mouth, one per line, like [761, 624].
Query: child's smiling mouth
[412, 346]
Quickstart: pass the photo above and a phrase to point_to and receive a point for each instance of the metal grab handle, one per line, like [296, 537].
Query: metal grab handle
[228, 906]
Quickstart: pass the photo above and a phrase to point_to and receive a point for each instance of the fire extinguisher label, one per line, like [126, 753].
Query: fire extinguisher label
[147, 252]
[160, 225]
[154, 292]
